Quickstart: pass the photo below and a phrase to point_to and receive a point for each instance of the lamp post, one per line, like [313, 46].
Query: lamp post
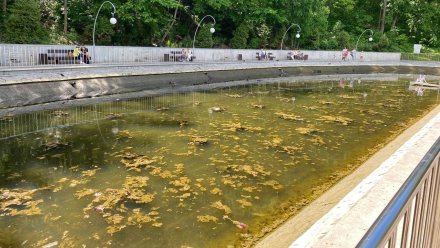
[212, 29]
[112, 21]
[369, 38]
[284, 35]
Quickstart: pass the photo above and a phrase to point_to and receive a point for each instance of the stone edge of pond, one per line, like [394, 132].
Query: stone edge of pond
[37, 86]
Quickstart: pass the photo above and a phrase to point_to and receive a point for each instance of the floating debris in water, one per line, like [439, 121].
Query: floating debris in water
[216, 191]
[113, 116]
[207, 218]
[326, 102]
[215, 110]
[258, 106]
[238, 224]
[239, 127]
[84, 192]
[234, 95]
[289, 117]
[308, 130]
[338, 119]
[198, 141]
[272, 183]
[244, 203]
[220, 206]
[54, 145]
[135, 161]
[20, 202]
[162, 109]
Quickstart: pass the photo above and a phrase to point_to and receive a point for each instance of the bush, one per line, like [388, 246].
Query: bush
[343, 39]
[241, 35]
[383, 44]
[204, 37]
[254, 43]
[329, 44]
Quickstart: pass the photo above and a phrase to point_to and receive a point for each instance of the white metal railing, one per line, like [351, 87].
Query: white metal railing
[421, 57]
[412, 218]
[13, 55]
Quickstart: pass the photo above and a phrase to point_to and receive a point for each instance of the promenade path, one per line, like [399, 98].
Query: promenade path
[17, 75]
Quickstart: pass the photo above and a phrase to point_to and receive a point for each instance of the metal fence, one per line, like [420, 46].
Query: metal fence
[13, 55]
[421, 57]
[412, 218]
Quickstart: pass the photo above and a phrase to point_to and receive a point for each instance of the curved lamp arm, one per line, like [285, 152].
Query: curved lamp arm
[198, 25]
[369, 39]
[112, 21]
[284, 35]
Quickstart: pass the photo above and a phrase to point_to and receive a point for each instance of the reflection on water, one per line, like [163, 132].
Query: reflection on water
[200, 169]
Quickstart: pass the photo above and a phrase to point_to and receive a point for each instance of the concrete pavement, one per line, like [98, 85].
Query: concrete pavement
[17, 75]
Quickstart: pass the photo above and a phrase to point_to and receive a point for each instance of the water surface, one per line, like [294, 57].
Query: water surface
[199, 169]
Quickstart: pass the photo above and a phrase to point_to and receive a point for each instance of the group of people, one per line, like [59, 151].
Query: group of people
[81, 54]
[187, 54]
[262, 55]
[295, 54]
[352, 53]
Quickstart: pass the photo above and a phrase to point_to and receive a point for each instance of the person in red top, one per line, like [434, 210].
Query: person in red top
[344, 54]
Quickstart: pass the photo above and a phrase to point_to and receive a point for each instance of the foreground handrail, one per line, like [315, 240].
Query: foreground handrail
[378, 232]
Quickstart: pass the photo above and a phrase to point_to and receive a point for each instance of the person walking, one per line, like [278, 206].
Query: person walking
[353, 54]
[344, 54]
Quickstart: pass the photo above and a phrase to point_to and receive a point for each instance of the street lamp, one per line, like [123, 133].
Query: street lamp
[370, 39]
[284, 35]
[112, 21]
[212, 29]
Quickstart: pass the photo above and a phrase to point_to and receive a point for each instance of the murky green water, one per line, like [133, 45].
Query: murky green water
[201, 169]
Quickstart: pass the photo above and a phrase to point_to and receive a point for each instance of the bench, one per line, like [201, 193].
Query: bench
[61, 56]
[269, 56]
[176, 56]
[297, 56]
[58, 56]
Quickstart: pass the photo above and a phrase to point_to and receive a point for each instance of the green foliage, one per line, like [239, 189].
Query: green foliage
[23, 23]
[204, 37]
[383, 44]
[343, 39]
[240, 23]
[254, 43]
[241, 35]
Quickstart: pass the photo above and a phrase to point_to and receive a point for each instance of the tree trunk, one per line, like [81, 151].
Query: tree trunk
[383, 15]
[65, 16]
[171, 25]
[5, 3]
[393, 25]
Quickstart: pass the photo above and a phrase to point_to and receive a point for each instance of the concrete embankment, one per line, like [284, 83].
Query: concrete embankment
[38, 85]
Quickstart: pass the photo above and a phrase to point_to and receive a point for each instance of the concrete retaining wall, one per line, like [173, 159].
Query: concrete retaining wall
[52, 90]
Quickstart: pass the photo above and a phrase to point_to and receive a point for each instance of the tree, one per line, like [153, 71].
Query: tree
[23, 24]
[241, 35]
[204, 37]
[383, 11]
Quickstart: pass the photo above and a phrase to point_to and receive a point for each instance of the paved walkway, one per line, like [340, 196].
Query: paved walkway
[16, 75]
